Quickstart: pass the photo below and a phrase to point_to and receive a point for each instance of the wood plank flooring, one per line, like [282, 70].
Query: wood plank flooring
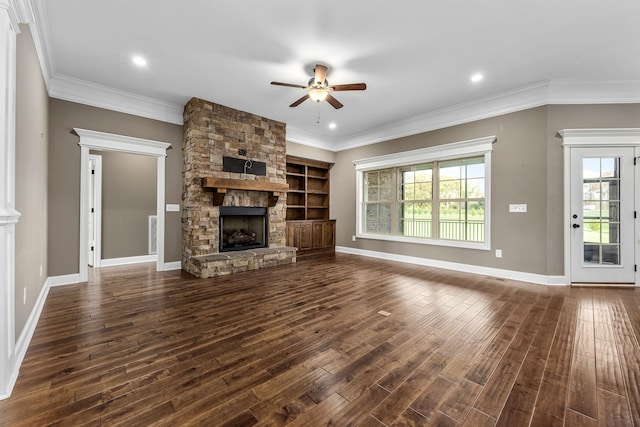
[304, 345]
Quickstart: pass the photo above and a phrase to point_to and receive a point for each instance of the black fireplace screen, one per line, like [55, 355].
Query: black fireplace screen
[242, 228]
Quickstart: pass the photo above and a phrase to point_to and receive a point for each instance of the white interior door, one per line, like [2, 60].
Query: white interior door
[94, 209]
[602, 215]
[91, 235]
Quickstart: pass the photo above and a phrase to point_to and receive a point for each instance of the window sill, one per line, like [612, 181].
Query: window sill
[483, 246]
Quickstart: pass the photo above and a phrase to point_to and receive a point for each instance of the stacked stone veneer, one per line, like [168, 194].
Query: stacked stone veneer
[212, 131]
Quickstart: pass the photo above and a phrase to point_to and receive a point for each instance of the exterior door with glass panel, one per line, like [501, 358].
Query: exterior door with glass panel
[602, 215]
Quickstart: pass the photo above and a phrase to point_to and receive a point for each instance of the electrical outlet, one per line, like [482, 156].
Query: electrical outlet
[353, 238]
[498, 253]
[24, 296]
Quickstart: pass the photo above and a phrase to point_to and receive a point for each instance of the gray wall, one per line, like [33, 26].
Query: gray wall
[64, 176]
[129, 186]
[31, 178]
[299, 150]
[526, 168]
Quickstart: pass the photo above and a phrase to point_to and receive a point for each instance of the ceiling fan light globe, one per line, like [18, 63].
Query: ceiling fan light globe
[318, 95]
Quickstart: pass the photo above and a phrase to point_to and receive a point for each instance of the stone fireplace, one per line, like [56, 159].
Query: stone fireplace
[234, 162]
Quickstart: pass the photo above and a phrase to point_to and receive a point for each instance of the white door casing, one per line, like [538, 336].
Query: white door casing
[100, 141]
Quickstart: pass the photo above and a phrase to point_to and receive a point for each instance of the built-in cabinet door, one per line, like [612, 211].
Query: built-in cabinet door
[299, 235]
[328, 234]
[317, 235]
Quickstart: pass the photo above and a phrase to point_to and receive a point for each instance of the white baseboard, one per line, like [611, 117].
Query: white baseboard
[22, 344]
[23, 341]
[175, 265]
[539, 279]
[68, 279]
[111, 262]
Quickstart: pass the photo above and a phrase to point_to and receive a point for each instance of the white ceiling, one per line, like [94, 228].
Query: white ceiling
[416, 57]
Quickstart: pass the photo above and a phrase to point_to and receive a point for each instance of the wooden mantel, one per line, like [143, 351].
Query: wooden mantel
[219, 186]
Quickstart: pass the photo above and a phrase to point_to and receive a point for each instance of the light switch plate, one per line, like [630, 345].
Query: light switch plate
[518, 208]
[173, 208]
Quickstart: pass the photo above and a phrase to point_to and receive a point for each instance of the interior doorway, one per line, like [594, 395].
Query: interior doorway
[100, 141]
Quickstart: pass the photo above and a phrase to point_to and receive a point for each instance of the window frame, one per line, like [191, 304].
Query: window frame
[452, 151]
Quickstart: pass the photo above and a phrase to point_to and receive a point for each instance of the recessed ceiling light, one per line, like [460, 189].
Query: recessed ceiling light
[139, 61]
[477, 77]
[332, 125]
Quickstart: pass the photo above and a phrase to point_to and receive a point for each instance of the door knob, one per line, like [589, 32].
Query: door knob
[576, 225]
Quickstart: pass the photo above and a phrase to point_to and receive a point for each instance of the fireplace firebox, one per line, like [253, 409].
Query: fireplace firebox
[243, 228]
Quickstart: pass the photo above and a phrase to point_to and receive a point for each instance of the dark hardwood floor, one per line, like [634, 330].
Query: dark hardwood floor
[304, 345]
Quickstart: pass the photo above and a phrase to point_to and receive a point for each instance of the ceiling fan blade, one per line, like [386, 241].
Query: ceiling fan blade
[351, 86]
[334, 102]
[288, 85]
[300, 101]
[320, 73]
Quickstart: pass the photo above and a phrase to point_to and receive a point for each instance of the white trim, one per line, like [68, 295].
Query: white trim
[521, 276]
[9, 216]
[452, 150]
[174, 265]
[92, 140]
[425, 241]
[110, 262]
[41, 33]
[566, 152]
[602, 137]
[126, 144]
[67, 279]
[595, 137]
[88, 93]
[536, 95]
[22, 344]
[455, 150]
[83, 267]
[13, 14]
[160, 208]
[541, 93]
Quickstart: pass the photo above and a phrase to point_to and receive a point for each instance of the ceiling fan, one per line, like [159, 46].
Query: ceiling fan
[318, 88]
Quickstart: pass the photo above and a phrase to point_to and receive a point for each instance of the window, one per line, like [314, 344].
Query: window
[437, 195]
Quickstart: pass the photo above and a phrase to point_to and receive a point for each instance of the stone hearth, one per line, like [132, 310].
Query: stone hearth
[211, 132]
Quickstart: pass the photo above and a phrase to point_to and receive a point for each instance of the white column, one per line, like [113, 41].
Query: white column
[8, 214]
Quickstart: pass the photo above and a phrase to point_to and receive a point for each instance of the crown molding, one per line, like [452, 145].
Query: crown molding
[84, 92]
[24, 10]
[309, 139]
[39, 26]
[536, 95]
[13, 13]
[530, 96]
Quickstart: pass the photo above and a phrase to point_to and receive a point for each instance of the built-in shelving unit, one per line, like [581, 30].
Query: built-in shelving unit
[308, 206]
[308, 194]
